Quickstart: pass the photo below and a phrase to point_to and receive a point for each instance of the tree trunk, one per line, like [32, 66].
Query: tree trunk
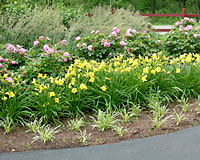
[198, 6]
[46, 2]
[179, 4]
[184, 3]
[153, 6]
[51, 2]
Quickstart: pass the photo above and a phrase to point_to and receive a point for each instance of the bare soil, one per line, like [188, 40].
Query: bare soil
[19, 140]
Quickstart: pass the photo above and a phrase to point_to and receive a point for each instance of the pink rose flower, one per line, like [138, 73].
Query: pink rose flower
[66, 54]
[13, 62]
[90, 47]
[35, 43]
[97, 32]
[5, 60]
[192, 20]
[77, 38]
[92, 32]
[15, 50]
[186, 18]
[159, 41]
[78, 46]
[1, 59]
[65, 60]
[63, 42]
[22, 50]
[114, 33]
[46, 48]
[106, 44]
[48, 38]
[177, 23]
[133, 31]
[116, 30]
[52, 50]
[18, 46]
[84, 44]
[102, 41]
[128, 34]
[41, 37]
[129, 30]
[122, 43]
[10, 47]
[196, 35]
[9, 79]
[1, 65]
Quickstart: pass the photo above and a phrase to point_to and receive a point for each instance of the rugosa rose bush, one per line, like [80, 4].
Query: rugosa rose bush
[184, 38]
[100, 46]
[12, 57]
[43, 57]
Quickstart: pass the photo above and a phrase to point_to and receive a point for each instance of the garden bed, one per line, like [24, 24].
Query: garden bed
[114, 87]
[19, 140]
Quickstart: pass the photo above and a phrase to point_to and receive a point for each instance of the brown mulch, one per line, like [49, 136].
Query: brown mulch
[19, 140]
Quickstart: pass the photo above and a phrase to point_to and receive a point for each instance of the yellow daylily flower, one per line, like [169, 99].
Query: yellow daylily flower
[51, 94]
[103, 88]
[178, 70]
[83, 86]
[57, 100]
[4, 98]
[91, 79]
[74, 90]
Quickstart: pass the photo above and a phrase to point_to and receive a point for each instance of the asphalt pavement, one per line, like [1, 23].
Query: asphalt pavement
[180, 145]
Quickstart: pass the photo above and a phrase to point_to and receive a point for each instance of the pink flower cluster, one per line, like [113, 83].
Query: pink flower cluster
[37, 42]
[187, 28]
[185, 20]
[96, 32]
[115, 31]
[49, 50]
[196, 35]
[9, 79]
[129, 31]
[90, 47]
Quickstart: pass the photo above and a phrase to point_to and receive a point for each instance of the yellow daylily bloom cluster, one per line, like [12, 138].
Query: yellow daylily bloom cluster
[83, 75]
[10, 94]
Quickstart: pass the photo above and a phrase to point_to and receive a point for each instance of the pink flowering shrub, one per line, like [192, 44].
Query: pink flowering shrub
[184, 38]
[12, 57]
[47, 58]
[43, 57]
[100, 46]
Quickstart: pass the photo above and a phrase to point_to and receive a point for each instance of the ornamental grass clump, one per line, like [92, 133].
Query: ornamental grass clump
[102, 19]
[45, 134]
[47, 22]
[105, 120]
[76, 124]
